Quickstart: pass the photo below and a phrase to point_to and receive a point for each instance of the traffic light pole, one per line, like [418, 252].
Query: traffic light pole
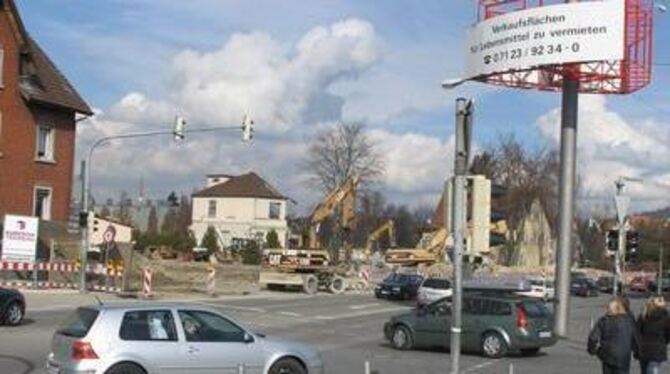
[86, 240]
[464, 109]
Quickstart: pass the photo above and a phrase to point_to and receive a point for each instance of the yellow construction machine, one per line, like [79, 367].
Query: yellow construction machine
[387, 228]
[311, 268]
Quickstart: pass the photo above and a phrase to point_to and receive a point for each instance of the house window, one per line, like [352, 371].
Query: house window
[45, 143]
[211, 209]
[42, 203]
[275, 211]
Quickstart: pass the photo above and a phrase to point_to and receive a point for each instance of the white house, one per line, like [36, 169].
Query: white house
[240, 208]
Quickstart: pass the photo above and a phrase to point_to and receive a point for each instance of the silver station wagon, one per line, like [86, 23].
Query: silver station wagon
[170, 338]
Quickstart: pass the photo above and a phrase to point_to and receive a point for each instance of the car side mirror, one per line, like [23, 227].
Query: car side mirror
[248, 338]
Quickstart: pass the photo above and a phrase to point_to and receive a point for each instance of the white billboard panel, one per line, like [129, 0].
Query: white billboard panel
[19, 238]
[556, 34]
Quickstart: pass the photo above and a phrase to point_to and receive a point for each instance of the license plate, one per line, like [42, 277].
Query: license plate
[545, 334]
[384, 292]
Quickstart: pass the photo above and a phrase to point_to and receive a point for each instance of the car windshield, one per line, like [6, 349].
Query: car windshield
[437, 283]
[402, 278]
[78, 323]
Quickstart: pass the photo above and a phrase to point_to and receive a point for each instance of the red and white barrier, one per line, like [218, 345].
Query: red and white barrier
[146, 283]
[61, 267]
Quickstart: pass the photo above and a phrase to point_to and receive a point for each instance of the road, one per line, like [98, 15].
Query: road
[346, 328]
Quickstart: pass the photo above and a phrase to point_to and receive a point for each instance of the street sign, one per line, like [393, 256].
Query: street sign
[548, 35]
[19, 238]
[622, 202]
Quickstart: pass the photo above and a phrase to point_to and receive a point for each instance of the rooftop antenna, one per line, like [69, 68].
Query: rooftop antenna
[98, 300]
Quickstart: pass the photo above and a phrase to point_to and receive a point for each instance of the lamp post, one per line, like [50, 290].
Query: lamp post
[178, 132]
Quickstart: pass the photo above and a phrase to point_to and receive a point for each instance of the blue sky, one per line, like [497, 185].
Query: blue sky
[134, 60]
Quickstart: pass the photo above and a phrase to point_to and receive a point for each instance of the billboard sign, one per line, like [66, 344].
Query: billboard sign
[19, 238]
[549, 35]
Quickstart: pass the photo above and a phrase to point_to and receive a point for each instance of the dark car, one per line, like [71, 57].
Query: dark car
[584, 287]
[12, 307]
[399, 287]
[606, 284]
[665, 285]
[493, 325]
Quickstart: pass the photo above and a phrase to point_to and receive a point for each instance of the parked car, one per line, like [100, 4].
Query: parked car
[181, 338]
[639, 284]
[585, 287]
[399, 286]
[606, 284]
[540, 289]
[433, 289]
[12, 307]
[492, 325]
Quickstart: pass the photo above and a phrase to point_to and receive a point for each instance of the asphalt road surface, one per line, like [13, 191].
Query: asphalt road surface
[347, 329]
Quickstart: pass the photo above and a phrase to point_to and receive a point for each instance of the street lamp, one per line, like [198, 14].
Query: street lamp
[179, 131]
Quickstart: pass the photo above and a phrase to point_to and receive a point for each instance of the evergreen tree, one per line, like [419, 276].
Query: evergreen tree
[210, 240]
[272, 240]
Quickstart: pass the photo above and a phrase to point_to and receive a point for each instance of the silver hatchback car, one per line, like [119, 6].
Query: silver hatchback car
[170, 338]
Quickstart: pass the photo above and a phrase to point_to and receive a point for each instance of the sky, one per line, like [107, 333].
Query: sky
[301, 66]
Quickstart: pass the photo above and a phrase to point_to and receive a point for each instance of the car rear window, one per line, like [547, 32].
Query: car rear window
[442, 284]
[148, 325]
[535, 309]
[78, 323]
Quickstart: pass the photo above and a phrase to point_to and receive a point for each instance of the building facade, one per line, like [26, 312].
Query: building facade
[38, 107]
[239, 208]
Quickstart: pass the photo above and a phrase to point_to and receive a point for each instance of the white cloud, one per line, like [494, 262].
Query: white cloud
[284, 88]
[611, 146]
[415, 162]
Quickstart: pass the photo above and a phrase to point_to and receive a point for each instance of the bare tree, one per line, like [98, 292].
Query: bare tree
[342, 151]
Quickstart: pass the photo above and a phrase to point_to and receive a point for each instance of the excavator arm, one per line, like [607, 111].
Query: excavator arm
[344, 197]
[387, 227]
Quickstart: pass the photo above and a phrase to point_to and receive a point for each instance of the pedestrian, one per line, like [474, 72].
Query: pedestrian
[613, 338]
[654, 329]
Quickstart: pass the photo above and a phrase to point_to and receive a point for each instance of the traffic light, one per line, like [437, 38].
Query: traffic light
[632, 245]
[179, 126]
[83, 219]
[612, 242]
[247, 128]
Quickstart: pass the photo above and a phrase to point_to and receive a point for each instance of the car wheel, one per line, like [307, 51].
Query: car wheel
[125, 368]
[530, 351]
[14, 314]
[401, 338]
[493, 345]
[287, 366]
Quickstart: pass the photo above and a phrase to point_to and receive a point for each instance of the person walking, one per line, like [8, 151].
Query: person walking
[654, 328]
[613, 338]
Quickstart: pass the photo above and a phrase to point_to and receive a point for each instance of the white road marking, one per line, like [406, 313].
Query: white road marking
[363, 306]
[478, 367]
[290, 314]
[362, 313]
[235, 307]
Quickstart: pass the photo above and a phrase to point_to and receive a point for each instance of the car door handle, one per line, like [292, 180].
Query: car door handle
[192, 350]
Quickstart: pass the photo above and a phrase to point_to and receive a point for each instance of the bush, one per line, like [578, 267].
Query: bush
[272, 240]
[251, 254]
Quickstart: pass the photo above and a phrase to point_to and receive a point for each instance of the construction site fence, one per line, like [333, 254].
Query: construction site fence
[60, 275]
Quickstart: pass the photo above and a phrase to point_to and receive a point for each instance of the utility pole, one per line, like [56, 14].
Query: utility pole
[659, 283]
[464, 111]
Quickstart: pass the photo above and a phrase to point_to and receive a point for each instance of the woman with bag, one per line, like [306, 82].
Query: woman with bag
[613, 338]
[654, 329]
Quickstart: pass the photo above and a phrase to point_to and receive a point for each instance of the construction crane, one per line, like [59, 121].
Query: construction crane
[388, 228]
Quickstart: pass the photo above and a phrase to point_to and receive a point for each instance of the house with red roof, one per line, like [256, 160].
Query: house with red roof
[240, 208]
